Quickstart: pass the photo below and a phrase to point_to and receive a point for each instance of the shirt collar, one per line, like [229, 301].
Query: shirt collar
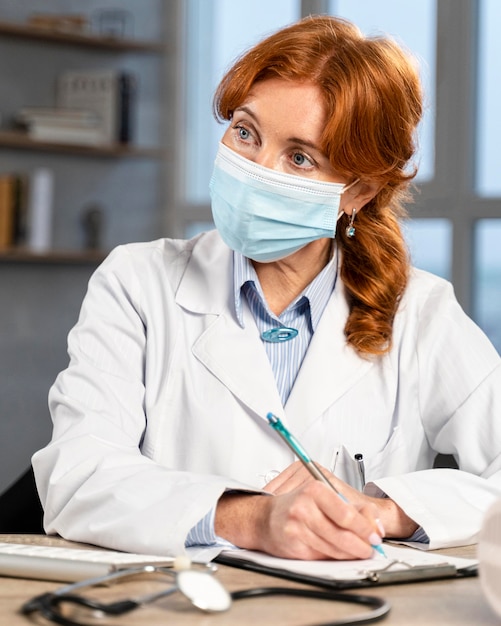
[317, 292]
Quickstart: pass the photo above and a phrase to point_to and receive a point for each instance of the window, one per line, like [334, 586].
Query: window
[488, 168]
[455, 227]
[429, 243]
[412, 24]
[488, 278]
[217, 33]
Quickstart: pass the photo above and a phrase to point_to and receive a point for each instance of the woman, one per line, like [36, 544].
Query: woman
[302, 304]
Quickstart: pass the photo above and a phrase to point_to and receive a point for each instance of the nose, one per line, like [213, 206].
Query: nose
[267, 158]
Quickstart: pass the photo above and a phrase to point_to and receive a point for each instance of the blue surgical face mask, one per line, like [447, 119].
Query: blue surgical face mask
[267, 215]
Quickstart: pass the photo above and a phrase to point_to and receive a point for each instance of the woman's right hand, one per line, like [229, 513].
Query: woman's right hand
[310, 522]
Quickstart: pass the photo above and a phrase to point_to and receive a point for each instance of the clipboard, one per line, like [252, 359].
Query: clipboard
[393, 572]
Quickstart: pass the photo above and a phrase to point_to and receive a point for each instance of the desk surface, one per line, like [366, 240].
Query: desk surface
[441, 603]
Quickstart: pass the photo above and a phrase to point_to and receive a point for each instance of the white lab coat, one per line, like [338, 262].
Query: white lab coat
[164, 404]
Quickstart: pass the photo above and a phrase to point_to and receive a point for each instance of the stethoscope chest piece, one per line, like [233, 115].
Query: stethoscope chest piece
[203, 590]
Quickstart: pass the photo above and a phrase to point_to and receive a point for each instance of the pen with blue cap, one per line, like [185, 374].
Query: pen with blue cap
[303, 456]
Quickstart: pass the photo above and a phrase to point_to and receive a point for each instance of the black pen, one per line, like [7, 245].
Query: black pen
[359, 458]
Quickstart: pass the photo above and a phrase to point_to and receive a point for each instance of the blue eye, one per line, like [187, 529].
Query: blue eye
[300, 160]
[243, 133]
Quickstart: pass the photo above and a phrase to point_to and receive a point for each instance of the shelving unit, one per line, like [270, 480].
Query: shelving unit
[20, 142]
[42, 294]
[54, 257]
[21, 31]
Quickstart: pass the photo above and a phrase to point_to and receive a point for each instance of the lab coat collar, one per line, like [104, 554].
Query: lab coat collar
[206, 284]
[233, 354]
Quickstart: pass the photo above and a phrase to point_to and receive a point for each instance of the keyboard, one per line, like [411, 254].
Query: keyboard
[68, 564]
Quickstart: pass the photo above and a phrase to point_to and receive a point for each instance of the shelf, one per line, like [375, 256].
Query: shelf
[54, 257]
[17, 140]
[21, 31]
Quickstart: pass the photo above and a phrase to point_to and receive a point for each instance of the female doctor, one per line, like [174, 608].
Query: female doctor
[302, 303]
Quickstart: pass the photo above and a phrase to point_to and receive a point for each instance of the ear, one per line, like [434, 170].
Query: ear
[358, 196]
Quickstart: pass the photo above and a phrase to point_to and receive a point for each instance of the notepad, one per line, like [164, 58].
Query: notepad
[402, 564]
[68, 564]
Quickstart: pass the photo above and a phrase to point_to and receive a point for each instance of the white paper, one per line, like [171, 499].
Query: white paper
[351, 570]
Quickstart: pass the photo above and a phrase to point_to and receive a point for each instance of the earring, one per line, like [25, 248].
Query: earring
[350, 229]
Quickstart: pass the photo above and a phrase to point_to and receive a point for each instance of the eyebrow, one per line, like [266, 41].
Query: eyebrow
[297, 140]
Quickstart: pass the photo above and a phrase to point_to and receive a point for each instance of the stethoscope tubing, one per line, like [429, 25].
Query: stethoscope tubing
[380, 607]
[48, 604]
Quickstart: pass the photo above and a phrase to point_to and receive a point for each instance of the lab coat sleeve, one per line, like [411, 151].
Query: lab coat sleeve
[460, 403]
[95, 484]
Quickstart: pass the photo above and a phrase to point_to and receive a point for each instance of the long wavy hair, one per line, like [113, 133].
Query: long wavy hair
[373, 100]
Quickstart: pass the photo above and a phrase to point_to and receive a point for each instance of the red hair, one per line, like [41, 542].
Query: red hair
[373, 100]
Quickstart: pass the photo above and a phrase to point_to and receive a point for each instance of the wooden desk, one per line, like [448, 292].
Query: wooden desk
[439, 603]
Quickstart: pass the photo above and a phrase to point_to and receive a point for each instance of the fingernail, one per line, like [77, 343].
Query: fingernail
[375, 539]
[380, 527]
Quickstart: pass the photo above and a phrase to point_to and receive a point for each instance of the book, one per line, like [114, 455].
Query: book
[57, 116]
[61, 125]
[40, 205]
[65, 134]
[108, 93]
[7, 211]
[21, 189]
[126, 106]
[65, 23]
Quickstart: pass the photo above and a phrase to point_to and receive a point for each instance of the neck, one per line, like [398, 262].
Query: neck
[282, 281]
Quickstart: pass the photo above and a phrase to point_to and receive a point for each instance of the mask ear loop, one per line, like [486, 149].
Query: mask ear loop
[346, 188]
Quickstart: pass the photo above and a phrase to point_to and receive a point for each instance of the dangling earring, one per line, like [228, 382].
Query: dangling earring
[350, 229]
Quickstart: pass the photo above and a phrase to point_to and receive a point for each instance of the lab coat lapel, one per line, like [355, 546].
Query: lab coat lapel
[233, 354]
[329, 368]
[237, 357]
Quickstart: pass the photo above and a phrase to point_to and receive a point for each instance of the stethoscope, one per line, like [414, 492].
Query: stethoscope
[199, 586]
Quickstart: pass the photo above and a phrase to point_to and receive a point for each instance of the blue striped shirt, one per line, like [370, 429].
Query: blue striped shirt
[303, 314]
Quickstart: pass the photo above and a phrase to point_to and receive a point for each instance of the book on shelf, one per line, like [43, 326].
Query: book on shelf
[110, 94]
[6, 211]
[60, 125]
[39, 210]
[66, 134]
[57, 116]
[64, 23]
[13, 210]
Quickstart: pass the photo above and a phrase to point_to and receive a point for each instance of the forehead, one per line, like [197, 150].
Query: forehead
[295, 108]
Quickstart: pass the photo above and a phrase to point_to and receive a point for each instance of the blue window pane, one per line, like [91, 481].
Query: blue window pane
[195, 228]
[430, 242]
[487, 292]
[217, 33]
[413, 25]
[488, 161]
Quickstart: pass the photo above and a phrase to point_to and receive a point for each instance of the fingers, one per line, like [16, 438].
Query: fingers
[313, 522]
[356, 529]
[290, 479]
[293, 477]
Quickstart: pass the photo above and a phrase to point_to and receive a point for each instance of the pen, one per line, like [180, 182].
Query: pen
[359, 458]
[303, 456]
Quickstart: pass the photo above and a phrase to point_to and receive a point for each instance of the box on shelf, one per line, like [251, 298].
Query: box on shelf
[108, 93]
